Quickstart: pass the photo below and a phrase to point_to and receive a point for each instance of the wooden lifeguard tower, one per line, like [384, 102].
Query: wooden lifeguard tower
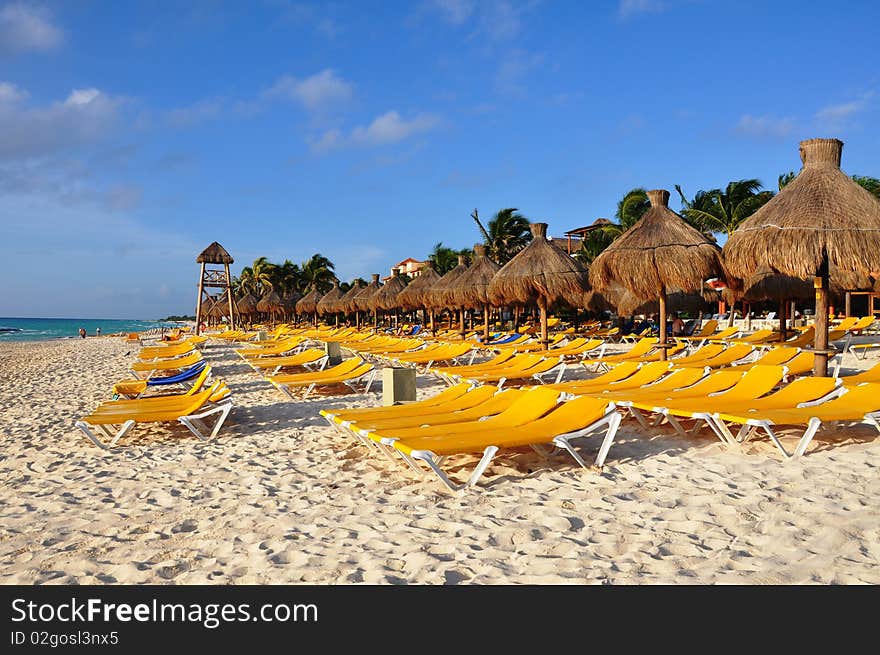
[214, 278]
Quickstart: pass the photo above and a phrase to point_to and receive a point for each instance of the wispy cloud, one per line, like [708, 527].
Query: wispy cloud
[764, 127]
[454, 11]
[317, 92]
[388, 128]
[197, 113]
[516, 65]
[85, 116]
[629, 8]
[838, 116]
[26, 28]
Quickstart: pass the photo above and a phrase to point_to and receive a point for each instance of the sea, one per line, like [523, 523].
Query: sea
[41, 329]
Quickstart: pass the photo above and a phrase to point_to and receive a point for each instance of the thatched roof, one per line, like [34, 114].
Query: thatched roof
[361, 301]
[411, 297]
[386, 297]
[247, 304]
[347, 302]
[436, 296]
[607, 299]
[820, 211]
[214, 254]
[541, 272]
[766, 284]
[471, 288]
[308, 304]
[660, 252]
[270, 302]
[329, 304]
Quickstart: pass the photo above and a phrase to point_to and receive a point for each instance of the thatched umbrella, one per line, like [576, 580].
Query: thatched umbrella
[288, 302]
[346, 303]
[386, 298]
[220, 308]
[246, 305]
[411, 297]
[329, 304]
[471, 288]
[820, 219]
[308, 304]
[542, 273]
[658, 254]
[362, 301]
[437, 297]
[270, 303]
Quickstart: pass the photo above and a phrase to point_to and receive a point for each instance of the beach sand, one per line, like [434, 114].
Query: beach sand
[280, 497]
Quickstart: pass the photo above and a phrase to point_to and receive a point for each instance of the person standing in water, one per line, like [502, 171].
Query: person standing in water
[82, 332]
[98, 332]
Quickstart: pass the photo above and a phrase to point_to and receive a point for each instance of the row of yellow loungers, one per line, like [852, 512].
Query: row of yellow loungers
[294, 349]
[465, 419]
[114, 419]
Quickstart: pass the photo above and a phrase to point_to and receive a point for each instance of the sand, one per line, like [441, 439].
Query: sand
[280, 497]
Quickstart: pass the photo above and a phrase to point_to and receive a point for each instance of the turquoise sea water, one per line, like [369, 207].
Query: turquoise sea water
[39, 329]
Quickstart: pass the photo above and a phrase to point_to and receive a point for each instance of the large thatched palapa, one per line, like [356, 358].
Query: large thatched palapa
[363, 301]
[330, 301]
[214, 254]
[246, 305]
[308, 304]
[270, 303]
[821, 219]
[436, 297]
[386, 297]
[658, 254]
[346, 303]
[411, 297]
[541, 273]
[471, 289]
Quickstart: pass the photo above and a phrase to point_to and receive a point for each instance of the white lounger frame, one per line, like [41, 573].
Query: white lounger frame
[193, 422]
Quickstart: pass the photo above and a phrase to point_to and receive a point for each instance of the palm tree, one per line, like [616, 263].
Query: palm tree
[264, 274]
[445, 259]
[508, 233]
[245, 283]
[287, 277]
[720, 212]
[317, 273]
[785, 178]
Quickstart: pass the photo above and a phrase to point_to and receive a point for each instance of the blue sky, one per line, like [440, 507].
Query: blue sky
[132, 134]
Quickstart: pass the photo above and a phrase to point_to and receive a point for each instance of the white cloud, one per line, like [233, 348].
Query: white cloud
[9, 93]
[317, 92]
[85, 116]
[628, 8]
[26, 28]
[390, 127]
[763, 127]
[196, 113]
[455, 11]
[836, 116]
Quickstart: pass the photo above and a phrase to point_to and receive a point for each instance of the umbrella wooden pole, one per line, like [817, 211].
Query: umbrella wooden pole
[847, 305]
[485, 323]
[376, 320]
[461, 321]
[431, 315]
[820, 359]
[783, 306]
[662, 342]
[544, 340]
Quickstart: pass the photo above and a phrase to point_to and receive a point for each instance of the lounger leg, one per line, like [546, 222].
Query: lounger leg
[638, 416]
[427, 457]
[812, 427]
[675, 423]
[612, 419]
[123, 430]
[488, 454]
[370, 379]
[192, 421]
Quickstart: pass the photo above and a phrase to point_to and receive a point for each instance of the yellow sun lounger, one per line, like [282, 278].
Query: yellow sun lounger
[580, 347]
[759, 336]
[164, 352]
[349, 372]
[115, 418]
[641, 348]
[450, 397]
[775, 357]
[699, 401]
[857, 404]
[280, 347]
[725, 334]
[871, 375]
[570, 420]
[165, 364]
[626, 375]
[304, 358]
[704, 352]
[132, 389]
[526, 371]
[435, 353]
[448, 373]
[728, 356]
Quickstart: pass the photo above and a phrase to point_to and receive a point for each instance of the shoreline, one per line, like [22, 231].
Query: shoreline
[279, 497]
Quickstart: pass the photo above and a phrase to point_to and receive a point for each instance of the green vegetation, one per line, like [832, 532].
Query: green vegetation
[177, 319]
